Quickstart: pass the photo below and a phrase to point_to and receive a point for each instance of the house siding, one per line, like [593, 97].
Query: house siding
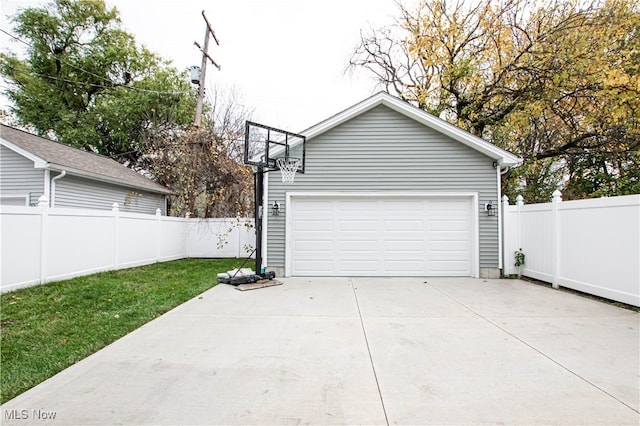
[77, 192]
[383, 151]
[19, 177]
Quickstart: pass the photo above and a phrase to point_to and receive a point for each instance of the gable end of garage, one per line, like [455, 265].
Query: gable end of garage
[382, 152]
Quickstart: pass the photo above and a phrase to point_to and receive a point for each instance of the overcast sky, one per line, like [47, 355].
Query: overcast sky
[287, 57]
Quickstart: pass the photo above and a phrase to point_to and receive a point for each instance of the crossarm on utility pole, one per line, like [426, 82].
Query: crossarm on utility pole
[210, 29]
[205, 56]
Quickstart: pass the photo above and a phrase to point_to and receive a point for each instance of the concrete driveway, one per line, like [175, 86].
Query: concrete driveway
[359, 351]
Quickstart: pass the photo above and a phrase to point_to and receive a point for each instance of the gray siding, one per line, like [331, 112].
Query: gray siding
[384, 151]
[73, 191]
[19, 177]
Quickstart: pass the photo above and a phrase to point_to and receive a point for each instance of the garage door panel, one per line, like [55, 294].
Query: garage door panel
[357, 257]
[401, 236]
[309, 237]
[359, 246]
[358, 206]
[449, 246]
[451, 236]
[451, 256]
[407, 257]
[405, 268]
[448, 217]
[377, 236]
[314, 254]
[319, 206]
[448, 225]
[357, 265]
[313, 245]
[416, 245]
[358, 225]
[451, 205]
[405, 207]
[403, 225]
[309, 258]
[314, 225]
[355, 236]
[450, 268]
[313, 267]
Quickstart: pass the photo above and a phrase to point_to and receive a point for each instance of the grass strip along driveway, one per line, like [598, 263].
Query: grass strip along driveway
[47, 328]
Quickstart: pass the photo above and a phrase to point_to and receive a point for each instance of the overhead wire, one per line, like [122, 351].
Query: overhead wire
[132, 88]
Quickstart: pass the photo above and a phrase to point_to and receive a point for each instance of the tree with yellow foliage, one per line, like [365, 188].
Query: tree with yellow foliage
[556, 82]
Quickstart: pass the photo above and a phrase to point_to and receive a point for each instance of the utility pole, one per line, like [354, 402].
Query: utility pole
[205, 57]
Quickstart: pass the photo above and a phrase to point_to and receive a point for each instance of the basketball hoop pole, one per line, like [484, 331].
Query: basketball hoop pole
[258, 181]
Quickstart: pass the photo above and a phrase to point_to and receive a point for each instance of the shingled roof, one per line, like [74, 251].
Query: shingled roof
[59, 157]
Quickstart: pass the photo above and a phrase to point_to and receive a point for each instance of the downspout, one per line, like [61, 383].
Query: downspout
[500, 221]
[53, 187]
[47, 185]
[500, 232]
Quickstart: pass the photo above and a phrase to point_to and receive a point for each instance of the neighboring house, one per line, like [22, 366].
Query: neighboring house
[388, 190]
[32, 166]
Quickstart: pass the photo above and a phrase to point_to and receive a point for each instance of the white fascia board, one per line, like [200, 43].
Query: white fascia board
[38, 162]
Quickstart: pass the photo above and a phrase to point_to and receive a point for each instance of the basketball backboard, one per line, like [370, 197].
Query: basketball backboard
[264, 145]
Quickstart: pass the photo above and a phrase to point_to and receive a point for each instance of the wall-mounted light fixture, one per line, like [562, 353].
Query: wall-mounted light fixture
[275, 209]
[495, 164]
[490, 209]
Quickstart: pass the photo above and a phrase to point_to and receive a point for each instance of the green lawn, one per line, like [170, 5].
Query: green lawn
[47, 328]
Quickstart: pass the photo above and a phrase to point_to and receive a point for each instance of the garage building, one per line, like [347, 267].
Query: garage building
[388, 190]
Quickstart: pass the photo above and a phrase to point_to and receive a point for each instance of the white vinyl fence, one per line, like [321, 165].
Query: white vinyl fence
[588, 245]
[42, 244]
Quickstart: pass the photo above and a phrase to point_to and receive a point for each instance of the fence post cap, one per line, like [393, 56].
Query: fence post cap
[505, 199]
[115, 207]
[520, 200]
[557, 196]
[158, 211]
[43, 201]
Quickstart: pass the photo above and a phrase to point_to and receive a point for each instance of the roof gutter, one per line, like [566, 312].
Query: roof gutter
[103, 178]
[62, 174]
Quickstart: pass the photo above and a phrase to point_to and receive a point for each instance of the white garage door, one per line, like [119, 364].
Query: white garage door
[377, 236]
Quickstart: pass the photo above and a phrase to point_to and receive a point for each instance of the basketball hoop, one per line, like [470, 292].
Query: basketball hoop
[288, 167]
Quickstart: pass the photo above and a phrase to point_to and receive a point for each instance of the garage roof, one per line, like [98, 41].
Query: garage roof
[504, 158]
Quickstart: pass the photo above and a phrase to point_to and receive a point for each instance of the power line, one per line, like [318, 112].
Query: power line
[100, 86]
[136, 89]
[15, 38]
[57, 57]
